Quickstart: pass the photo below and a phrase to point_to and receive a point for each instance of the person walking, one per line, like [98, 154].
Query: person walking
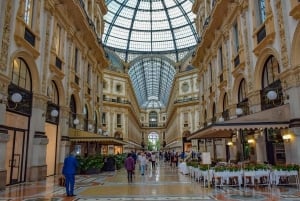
[129, 166]
[143, 162]
[153, 160]
[69, 171]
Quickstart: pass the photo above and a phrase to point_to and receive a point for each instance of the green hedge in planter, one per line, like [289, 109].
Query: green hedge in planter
[120, 160]
[91, 163]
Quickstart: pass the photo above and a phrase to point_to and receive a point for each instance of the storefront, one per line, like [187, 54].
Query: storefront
[259, 137]
[86, 143]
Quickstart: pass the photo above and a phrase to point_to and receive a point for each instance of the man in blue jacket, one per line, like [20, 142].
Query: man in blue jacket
[69, 171]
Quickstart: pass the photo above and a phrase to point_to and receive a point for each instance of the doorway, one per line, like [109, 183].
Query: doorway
[51, 133]
[15, 162]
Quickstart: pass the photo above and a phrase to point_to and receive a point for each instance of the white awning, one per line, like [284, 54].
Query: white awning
[278, 117]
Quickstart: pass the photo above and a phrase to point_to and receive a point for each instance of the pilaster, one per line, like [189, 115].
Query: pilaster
[4, 138]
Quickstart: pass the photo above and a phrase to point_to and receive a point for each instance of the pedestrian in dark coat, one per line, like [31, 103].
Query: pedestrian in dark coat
[129, 166]
[69, 171]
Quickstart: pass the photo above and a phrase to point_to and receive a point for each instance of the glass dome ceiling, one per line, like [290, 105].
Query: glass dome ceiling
[134, 27]
[139, 30]
[152, 79]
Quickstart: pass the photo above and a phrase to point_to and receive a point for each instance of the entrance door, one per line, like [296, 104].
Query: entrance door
[15, 157]
[51, 148]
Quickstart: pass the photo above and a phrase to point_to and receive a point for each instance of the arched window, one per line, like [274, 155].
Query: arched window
[243, 106]
[73, 112]
[153, 141]
[85, 118]
[271, 83]
[214, 118]
[270, 71]
[225, 113]
[242, 91]
[205, 118]
[153, 119]
[21, 84]
[95, 122]
[53, 103]
[21, 75]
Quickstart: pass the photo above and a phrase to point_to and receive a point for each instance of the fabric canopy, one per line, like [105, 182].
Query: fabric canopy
[84, 136]
[277, 117]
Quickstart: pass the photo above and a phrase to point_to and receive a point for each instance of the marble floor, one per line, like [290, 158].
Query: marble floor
[162, 183]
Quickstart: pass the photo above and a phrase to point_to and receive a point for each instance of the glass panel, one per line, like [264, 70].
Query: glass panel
[149, 26]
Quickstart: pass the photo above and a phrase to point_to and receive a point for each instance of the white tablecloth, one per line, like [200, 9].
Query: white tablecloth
[183, 168]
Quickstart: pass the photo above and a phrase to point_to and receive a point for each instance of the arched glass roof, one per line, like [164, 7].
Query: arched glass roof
[134, 27]
[139, 30]
[152, 79]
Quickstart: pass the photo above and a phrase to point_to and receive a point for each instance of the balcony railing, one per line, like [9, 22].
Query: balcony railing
[244, 105]
[225, 115]
[116, 100]
[265, 102]
[182, 100]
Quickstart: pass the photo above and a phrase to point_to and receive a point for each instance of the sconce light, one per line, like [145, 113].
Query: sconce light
[90, 127]
[54, 113]
[239, 111]
[76, 122]
[221, 119]
[250, 141]
[286, 137]
[272, 95]
[229, 143]
[234, 138]
[15, 98]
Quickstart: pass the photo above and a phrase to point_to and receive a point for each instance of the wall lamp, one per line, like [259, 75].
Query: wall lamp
[54, 113]
[239, 111]
[287, 137]
[251, 141]
[272, 95]
[76, 122]
[15, 98]
[229, 143]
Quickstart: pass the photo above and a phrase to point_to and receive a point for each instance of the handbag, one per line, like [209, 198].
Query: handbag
[62, 181]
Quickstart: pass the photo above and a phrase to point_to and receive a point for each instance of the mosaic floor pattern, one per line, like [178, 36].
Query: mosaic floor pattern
[160, 184]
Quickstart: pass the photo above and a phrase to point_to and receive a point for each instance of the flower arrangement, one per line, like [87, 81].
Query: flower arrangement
[254, 167]
[230, 168]
[288, 167]
[193, 163]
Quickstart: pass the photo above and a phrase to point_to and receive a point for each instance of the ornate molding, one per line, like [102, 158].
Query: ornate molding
[6, 37]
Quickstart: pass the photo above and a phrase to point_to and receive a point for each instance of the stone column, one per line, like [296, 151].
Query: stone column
[38, 140]
[38, 169]
[63, 137]
[4, 138]
[292, 148]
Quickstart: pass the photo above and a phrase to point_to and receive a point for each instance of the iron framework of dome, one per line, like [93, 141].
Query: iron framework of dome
[135, 27]
[152, 79]
[144, 28]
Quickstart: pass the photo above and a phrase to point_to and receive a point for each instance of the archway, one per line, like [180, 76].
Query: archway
[153, 141]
